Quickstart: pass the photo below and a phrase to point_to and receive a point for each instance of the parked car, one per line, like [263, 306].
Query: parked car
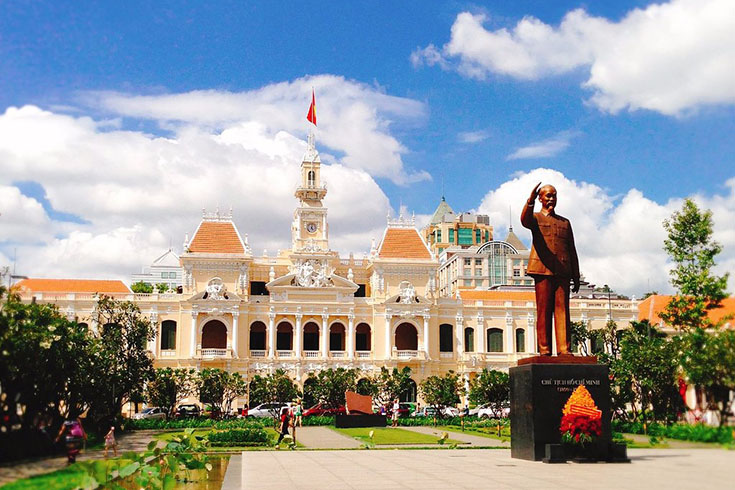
[433, 412]
[150, 413]
[188, 410]
[487, 412]
[321, 410]
[406, 409]
[271, 409]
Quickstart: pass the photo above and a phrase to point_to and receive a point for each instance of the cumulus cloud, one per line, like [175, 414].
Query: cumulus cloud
[354, 119]
[546, 148]
[671, 57]
[136, 193]
[619, 238]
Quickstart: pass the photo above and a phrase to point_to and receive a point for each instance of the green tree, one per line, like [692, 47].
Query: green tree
[649, 362]
[125, 363]
[491, 388]
[219, 388]
[329, 385]
[442, 391]
[46, 364]
[698, 292]
[273, 388]
[141, 287]
[162, 287]
[693, 251]
[169, 386]
[391, 384]
[580, 335]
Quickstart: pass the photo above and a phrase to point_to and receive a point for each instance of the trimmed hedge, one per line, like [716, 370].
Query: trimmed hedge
[469, 422]
[682, 432]
[239, 438]
[198, 423]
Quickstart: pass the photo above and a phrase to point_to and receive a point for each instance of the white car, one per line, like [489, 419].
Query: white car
[486, 412]
[267, 409]
[150, 413]
[450, 412]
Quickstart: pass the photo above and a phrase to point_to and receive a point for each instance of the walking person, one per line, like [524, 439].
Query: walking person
[298, 414]
[285, 423]
[394, 415]
[110, 442]
[74, 438]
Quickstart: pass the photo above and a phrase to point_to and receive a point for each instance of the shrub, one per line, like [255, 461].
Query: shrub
[318, 420]
[683, 432]
[239, 438]
[197, 423]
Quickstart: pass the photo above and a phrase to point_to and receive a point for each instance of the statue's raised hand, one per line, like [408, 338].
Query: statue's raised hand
[534, 193]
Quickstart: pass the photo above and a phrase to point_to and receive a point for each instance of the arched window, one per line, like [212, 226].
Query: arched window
[362, 337]
[494, 340]
[469, 339]
[446, 342]
[284, 336]
[257, 336]
[311, 336]
[407, 338]
[410, 394]
[499, 255]
[520, 340]
[214, 335]
[168, 335]
[311, 178]
[337, 337]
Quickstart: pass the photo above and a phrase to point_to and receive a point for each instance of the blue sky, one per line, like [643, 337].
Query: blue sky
[471, 117]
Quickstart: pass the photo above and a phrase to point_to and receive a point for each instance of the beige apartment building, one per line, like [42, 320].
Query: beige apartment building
[307, 309]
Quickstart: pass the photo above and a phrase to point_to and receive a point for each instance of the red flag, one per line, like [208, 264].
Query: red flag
[311, 116]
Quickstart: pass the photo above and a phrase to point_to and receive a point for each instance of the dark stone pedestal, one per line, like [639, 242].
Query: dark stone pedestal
[359, 420]
[538, 392]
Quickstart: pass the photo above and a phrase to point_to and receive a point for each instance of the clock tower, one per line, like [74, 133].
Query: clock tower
[310, 231]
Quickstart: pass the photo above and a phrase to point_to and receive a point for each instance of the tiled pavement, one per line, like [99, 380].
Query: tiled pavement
[474, 469]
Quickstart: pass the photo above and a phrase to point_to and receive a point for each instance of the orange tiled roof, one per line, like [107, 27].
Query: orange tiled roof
[73, 286]
[649, 308]
[403, 243]
[477, 294]
[217, 237]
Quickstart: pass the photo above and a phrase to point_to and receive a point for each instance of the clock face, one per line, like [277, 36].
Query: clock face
[311, 227]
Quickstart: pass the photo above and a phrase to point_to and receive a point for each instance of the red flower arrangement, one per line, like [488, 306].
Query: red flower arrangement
[581, 421]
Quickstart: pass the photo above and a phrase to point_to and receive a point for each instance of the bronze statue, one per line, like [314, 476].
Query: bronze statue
[553, 264]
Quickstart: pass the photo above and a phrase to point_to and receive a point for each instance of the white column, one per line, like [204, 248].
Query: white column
[325, 335]
[298, 336]
[480, 334]
[388, 346]
[426, 336]
[271, 334]
[459, 329]
[350, 336]
[235, 316]
[530, 336]
[509, 334]
[193, 344]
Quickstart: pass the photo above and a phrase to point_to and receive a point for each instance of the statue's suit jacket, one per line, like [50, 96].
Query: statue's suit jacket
[553, 252]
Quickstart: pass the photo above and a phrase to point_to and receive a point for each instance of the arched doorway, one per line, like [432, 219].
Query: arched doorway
[284, 337]
[311, 337]
[407, 338]
[362, 337]
[469, 339]
[337, 337]
[257, 336]
[410, 394]
[214, 335]
[520, 340]
[494, 340]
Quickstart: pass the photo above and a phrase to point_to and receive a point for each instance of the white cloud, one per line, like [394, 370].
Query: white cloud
[471, 137]
[354, 119]
[619, 239]
[137, 192]
[671, 58]
[546, 148]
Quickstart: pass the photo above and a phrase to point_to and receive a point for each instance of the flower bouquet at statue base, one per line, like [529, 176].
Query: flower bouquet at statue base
[581, 423]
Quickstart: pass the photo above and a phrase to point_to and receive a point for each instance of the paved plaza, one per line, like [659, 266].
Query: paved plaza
[473, 469]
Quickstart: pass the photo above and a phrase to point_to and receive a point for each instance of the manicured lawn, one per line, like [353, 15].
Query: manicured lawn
[387, 435]
[73, 476]
[489, 432]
